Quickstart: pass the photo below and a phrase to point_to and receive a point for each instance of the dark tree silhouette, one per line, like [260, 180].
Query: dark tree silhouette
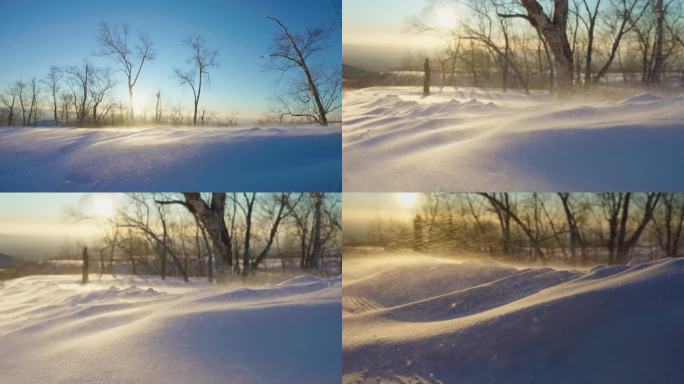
[115, 44]
[318, 94]
[202, 60]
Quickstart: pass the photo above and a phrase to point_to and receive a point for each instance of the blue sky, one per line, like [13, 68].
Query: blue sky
[41, 33]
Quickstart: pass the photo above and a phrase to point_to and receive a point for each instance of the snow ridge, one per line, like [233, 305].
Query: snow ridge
[532, 325]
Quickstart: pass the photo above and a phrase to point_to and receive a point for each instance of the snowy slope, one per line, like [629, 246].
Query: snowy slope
[495, 324]
[138, 330]
[472, 140]
[306, 158]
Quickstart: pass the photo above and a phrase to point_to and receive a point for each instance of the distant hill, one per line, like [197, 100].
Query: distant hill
[351, 72]
[7, 261]
[378, 59]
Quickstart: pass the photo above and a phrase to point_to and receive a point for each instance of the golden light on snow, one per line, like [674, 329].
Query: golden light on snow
[445, 16]
[103, 205]
[407, 200]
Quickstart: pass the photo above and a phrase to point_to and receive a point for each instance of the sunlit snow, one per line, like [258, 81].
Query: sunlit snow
[472, 139]
[144, 330]
[421, 319]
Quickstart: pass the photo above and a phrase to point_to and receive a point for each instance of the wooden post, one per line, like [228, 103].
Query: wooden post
[426, 79]
[86, 266]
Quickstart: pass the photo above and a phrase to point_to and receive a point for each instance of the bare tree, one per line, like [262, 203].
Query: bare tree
[33, 108]
[212, 217]
[114, 41]
[232, 119]
[247, 208]
[571, 221]
[669, 222]
[659, 10]
[625, 16]
[280, 208]
[65, 106]
[318, 94]
[52, 82]
[79, 83]
[502, 206]
[616, 209]
[202, 60]
[20, 87]
[143, 219]
[554, 31]
[592, 12]
[100, 86]
[27, 94]
[484, 33]
[9, 101]
[158, 108]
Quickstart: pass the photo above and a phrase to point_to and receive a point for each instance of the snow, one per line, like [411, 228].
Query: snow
[469, 322]
[153, 159]
[144, 330]
[473, 139]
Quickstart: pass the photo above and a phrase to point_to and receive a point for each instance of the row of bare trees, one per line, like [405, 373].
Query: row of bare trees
[562, 45]
[576, 228]
[217, 235]
[83, 94]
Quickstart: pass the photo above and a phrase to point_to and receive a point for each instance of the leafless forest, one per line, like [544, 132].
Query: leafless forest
[569, 228]
[563, 46]
[82, 94]
[213, 236]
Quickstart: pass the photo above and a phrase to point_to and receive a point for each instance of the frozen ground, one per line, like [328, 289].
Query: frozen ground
[472, 140]
[417, 320]
[139, 330]
[305, 158]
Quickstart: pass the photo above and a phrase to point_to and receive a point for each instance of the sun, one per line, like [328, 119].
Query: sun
[103, 205]
[407, 200]
[138, 104]
[445, 17]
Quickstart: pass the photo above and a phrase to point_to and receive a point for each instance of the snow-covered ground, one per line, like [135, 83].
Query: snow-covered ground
[143, 330]
[153, 159]
[416, 319]
[472, 140]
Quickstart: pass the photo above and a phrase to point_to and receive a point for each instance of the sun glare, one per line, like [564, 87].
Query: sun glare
[138, 104]
[445, 17]
[407, 200]
[103, 205]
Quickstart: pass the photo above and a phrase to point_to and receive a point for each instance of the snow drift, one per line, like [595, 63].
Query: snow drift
[297, 159]
[479, 323]
[143, 330]
[472, 140]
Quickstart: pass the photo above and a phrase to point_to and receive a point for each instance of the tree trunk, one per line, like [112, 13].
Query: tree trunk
[194, 115]
[658, 56]
[212, 218]
[554, 32]
[131, 115]
[316, 237]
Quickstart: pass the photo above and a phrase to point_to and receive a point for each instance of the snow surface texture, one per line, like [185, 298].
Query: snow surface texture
[472, 140]
[143, 330]
[429, 320]
[304, 158]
